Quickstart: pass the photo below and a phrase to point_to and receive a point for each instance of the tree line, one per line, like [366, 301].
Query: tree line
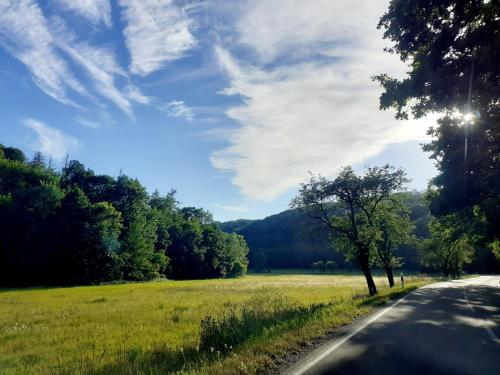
[74, 227]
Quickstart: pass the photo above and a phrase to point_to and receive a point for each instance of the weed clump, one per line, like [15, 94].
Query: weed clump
[258, 318]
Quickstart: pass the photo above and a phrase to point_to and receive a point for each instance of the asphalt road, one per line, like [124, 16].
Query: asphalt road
[450, 327]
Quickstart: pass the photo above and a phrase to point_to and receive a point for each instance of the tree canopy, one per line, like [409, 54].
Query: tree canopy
[452, 49]
[349, 206]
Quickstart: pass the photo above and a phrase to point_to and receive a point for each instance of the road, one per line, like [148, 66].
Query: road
[449, 327]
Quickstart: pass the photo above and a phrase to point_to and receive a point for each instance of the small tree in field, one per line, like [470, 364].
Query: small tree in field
[395, 229]
[348, 206]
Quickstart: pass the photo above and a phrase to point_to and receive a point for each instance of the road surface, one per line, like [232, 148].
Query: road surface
[450, 327]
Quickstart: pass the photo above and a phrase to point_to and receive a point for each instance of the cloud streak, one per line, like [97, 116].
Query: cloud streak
[51, 141]
[96, 11]
[25, 34]
[179, 109]
[156, 33]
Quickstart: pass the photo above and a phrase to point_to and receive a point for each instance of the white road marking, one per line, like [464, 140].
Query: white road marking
[339, 343]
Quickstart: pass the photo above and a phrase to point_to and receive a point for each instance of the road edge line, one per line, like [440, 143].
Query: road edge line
[346, 338]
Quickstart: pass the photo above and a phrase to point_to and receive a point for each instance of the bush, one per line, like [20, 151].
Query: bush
[239, 269]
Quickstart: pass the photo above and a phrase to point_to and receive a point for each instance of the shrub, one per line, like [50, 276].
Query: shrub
[239, 269]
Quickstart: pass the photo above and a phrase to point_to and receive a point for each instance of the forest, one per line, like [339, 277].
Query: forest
[75, 227]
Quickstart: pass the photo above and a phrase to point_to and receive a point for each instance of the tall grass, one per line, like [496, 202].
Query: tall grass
[211, 326]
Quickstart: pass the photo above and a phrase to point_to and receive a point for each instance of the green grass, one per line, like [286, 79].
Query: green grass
[205, 326]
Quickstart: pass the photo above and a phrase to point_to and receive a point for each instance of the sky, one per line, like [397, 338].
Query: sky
[231, 103]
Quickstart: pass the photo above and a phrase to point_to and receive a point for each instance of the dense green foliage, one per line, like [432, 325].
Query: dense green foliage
[452, 49]
[76, 227]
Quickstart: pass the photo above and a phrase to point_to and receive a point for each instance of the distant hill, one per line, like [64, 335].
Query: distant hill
[291, 239]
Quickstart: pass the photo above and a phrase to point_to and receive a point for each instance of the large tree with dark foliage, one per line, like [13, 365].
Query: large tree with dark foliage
[349, 206]
[452, 49]
[75, 227]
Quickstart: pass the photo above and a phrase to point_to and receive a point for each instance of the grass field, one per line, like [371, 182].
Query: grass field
[156, 327]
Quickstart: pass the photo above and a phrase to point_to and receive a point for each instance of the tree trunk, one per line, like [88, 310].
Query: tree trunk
[390, 277]
[365, 267]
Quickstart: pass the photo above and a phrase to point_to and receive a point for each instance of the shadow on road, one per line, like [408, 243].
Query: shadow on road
[436, 330]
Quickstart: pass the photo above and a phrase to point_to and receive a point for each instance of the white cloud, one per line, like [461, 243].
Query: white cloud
[25, 34]
[87, 123]
[177, 108]
[134, 94]
[307, 113]
[51, 141]
[156, 33]
[96, 11]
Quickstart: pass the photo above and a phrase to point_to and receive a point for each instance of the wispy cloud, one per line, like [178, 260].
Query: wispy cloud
[24, 32]
[41, 43]
[156, 33]
[134, 94]
[96, 11]
[177, 108]
[51, 141]
[308, 103]
[87, 123]
[99, 63]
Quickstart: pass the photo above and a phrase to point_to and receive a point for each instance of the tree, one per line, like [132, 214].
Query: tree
[38, 160]
[451, 48]
[194, 213]
[348, 206]
[396, 229]
[12, 153]
[186, 251]
[449, 248]
[234, 258]
[29, 197]
[85, 238]
[446, 44]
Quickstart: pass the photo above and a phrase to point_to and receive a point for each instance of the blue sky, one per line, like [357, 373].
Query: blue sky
[229, 102]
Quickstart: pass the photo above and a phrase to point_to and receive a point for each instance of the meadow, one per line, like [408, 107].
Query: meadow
[223, 326]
